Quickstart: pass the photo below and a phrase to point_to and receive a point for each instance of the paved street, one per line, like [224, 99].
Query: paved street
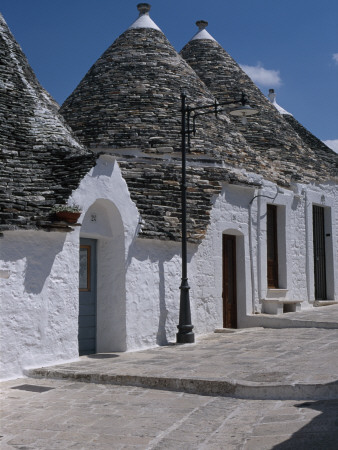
[74, 415]
[262, 389]
[280, 364]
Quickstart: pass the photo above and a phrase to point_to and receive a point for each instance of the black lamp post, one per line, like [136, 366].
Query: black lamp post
[185, 334]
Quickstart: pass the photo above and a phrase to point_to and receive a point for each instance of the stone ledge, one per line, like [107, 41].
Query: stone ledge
[276, 293]
[201, 386]
[280, 306]
[280, 300]
[318, 303]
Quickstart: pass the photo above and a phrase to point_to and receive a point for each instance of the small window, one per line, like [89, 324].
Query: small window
[84, 274]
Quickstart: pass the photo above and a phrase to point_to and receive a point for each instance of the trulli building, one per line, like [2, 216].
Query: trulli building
[262, 203]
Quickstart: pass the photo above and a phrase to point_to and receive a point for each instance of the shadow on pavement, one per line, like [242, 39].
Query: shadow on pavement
[320, 433]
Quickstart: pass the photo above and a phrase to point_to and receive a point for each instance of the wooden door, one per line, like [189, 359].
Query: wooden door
[272, 248]
[319, 252]
[229, 282]
[87, 297]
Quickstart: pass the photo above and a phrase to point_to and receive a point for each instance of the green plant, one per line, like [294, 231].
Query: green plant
[67, 208]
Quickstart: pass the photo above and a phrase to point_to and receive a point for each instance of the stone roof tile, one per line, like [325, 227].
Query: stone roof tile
[40, 160]
[129, 104]
[267, 133]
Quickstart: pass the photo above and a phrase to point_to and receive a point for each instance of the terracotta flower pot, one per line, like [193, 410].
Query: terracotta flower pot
[68, 216]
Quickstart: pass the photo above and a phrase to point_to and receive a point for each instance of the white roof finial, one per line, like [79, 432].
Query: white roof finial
[144, 21]
[202, 32]
[202, 24]
[272, 95]
[272, 98]
[144, 8]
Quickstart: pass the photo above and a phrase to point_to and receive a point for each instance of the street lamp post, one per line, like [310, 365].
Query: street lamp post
[185, 334]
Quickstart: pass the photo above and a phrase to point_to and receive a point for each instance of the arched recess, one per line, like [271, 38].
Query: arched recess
[234, 266]
[103, 223]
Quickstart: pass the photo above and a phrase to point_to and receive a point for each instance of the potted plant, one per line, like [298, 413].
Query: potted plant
[67, 213]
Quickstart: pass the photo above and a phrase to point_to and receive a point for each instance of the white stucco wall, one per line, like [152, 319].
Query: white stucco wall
[154, 276]
[110, 217]
[39, 300]
[39, 277]
[138, 279]
[325, 195]
[154, 269]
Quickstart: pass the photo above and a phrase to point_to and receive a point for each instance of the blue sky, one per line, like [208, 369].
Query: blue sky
[288, 45]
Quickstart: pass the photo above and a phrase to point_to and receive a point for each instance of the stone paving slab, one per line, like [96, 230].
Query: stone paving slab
[293, 363]
[318, 317]
[74, 415]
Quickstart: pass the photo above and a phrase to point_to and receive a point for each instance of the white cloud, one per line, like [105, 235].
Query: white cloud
[332, 143]
[264, 77]
[335, 57]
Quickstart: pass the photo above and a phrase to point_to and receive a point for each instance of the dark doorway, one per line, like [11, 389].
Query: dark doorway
[229, 282]
[319, 253]
[87, 297]
[272, 246]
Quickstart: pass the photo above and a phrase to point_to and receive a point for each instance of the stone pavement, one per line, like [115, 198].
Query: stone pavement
[254, 363]
[322, 316]
[89, 416]
[262, 389]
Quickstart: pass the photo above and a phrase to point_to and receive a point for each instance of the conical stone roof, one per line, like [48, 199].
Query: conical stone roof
[130, 99]
[321, 150]
[324, 153]
[40, 160]
[129, 103]
[267, 133]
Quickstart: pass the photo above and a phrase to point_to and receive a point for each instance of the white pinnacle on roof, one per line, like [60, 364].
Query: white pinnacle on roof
[144, 21]
[202, 33]
[272, 98]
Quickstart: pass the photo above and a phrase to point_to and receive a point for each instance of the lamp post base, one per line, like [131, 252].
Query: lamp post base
[185, 334]
[185, 337]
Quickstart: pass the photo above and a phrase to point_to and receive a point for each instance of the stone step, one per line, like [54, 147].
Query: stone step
[280, 305]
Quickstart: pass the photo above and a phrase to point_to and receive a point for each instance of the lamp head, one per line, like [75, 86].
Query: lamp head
[244, 110]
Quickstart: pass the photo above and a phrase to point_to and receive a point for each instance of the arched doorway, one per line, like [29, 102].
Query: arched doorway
[102, 297]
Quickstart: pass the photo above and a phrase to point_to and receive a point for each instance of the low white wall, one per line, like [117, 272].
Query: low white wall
[39, 300]
[154, 269]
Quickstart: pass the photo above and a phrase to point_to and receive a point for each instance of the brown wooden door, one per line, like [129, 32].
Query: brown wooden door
[272, 249]
[319, 253]
[229, 282]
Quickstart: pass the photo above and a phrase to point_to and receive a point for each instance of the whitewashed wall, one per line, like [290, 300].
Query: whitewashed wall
[110, 217]
[138, 279]
[39, 299]
[39, 277]
[154, 269]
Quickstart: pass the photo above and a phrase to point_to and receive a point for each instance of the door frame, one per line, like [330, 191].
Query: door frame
[319, 252]
[91, 286]
[272, 265]
[230, 319]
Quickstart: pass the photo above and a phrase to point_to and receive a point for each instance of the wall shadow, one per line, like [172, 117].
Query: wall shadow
[160, 254]
[38, 249]
[320, 433]
[161, 337]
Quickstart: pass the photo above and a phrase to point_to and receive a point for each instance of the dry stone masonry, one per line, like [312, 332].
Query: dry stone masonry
[40, 160]
[128, 105]
[271, 137]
